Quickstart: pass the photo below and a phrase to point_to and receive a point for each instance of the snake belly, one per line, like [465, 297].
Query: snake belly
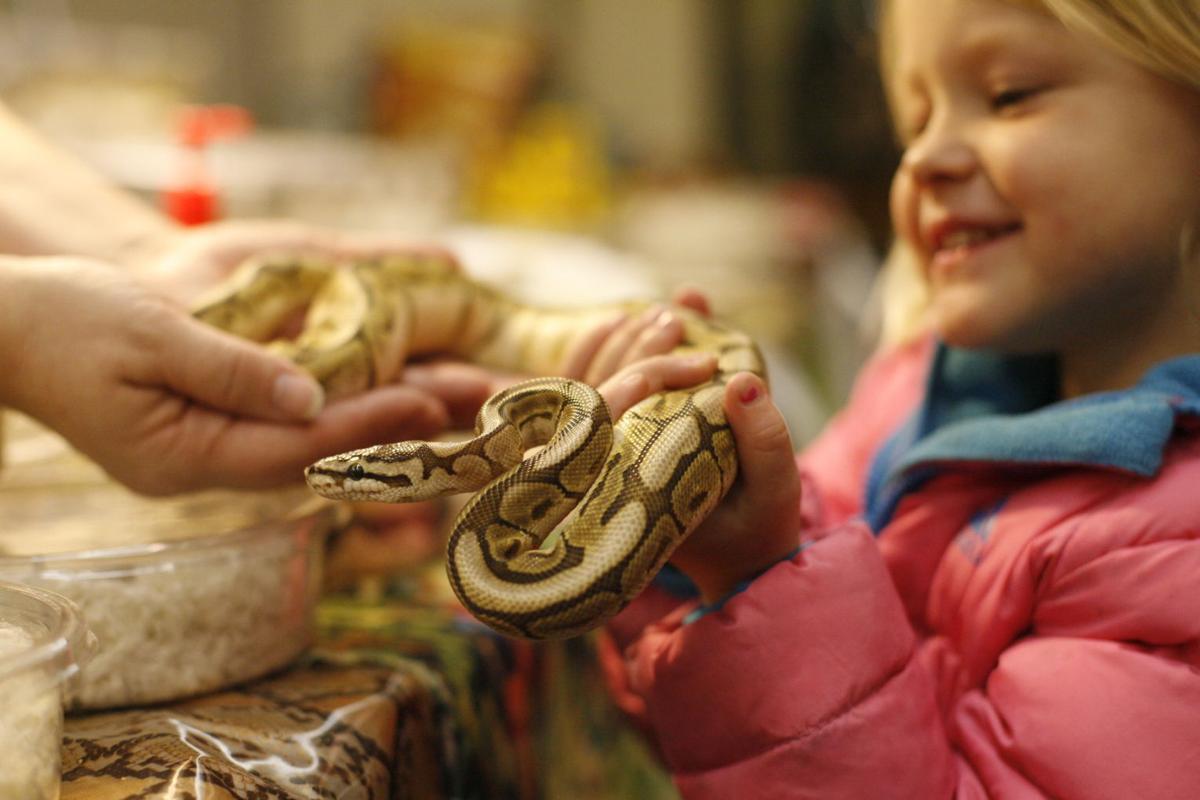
[572, 514]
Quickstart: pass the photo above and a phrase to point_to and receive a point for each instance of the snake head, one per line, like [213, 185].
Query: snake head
[400, 473]
[358, 476]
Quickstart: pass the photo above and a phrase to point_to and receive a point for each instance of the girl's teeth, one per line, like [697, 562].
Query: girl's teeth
[965, 238]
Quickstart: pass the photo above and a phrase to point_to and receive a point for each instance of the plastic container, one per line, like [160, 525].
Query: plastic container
[185, 595]
[43, 643]
[187, 617]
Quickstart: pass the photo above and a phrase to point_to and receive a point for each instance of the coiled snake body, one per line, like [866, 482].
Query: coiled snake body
[555, 541]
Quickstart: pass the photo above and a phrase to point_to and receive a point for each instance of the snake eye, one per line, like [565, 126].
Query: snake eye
[356, 472]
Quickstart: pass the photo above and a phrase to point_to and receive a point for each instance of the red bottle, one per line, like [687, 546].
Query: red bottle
[193, 200]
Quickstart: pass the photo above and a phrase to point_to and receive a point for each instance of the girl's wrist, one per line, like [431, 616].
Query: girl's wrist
[719, 579]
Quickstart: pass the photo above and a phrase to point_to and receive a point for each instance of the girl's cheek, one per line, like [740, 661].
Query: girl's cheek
[903, 206]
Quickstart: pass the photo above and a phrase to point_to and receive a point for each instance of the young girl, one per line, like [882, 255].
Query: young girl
[989, 585]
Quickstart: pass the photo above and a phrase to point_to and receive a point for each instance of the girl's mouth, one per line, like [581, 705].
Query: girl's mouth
[957, 246]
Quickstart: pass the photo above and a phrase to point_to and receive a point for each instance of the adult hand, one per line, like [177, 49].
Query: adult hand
[165, 403]
[185, 262]
[758, 522]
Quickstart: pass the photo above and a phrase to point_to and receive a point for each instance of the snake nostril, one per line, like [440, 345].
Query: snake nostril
[355, 472]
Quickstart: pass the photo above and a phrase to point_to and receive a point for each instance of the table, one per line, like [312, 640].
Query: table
[396, 700]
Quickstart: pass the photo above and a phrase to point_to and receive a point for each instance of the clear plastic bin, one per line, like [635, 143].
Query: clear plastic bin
[181, 618]
[43, 643]
[185, 595]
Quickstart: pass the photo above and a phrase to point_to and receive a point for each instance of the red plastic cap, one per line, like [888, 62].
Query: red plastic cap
[190, 206]
[199, 125]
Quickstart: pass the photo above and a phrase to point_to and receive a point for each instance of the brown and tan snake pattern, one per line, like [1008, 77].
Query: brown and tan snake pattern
[554, 541]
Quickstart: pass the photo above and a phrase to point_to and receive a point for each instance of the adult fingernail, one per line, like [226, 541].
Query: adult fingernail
[701, 360]
[298, 396]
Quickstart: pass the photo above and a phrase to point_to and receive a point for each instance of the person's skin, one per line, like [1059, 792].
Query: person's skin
[52, 204]
[91, 345]
[1046, 188]
[758, 522]
[165, 403]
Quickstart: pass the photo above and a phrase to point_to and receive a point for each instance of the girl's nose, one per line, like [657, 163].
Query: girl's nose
[938, 155]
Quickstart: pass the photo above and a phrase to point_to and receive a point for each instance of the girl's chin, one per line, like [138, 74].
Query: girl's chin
[978, 333]
[968, 330]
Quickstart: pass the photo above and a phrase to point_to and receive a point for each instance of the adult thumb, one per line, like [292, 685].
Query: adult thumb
[219, 370]
[766, 458]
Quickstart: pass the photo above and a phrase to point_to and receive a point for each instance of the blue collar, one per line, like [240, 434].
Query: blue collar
[1003, 410]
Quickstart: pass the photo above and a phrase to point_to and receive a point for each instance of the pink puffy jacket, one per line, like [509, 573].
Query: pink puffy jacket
[1025, 623]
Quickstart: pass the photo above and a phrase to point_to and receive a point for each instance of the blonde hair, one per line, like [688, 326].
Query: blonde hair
[1161, 35]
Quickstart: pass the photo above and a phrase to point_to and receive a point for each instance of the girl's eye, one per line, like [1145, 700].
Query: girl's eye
[1007, 98]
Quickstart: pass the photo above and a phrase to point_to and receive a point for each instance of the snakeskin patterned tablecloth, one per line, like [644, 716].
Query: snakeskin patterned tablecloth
[396, 701]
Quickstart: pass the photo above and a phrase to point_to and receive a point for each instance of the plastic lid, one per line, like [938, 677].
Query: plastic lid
[61, 642]
[197, 126]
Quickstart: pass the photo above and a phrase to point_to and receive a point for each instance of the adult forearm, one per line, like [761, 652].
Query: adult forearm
[15, 301]
[50, 203]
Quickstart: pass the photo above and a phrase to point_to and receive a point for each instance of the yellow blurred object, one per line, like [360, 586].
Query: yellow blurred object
[460, 82]
[551, 173]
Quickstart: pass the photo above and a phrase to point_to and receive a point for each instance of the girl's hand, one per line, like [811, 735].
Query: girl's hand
[624, 340]
[758, 522]
[165, 403]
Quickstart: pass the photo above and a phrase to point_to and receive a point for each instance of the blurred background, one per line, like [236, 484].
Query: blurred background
[573, 150]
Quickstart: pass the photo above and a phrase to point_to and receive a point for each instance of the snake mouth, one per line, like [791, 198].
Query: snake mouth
[326, 482]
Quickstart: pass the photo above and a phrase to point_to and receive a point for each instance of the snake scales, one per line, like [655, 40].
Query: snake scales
[556, 540]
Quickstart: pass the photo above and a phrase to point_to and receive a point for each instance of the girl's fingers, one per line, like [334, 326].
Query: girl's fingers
[658, 338]
[692, 298]
[765, 454]
[584, 351]
[609, 356]
[638, 381]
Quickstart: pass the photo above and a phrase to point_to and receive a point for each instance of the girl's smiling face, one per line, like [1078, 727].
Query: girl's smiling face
[1046, 180]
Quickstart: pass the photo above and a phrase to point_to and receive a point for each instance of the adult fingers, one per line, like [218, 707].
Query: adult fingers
[367, 244]
[461, 387]
[255, 454]
[229, 374]
[638, 381]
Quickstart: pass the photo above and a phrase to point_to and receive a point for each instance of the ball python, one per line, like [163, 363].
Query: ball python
[572, 515]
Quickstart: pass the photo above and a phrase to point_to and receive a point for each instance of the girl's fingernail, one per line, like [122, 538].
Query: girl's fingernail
[749, 394]
[700, 360]
[652, 313]
[298, 396]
